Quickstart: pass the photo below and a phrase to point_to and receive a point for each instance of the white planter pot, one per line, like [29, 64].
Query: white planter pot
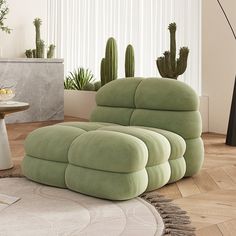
[79, 103]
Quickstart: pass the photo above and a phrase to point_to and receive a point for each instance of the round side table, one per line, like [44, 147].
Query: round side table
[5, 153]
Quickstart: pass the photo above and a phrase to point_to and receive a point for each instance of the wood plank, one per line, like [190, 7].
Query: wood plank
[187, 187]
[209, 231]
[204, 182]
[171, 191]
[228, 228]
[221, 178]
[231, 172]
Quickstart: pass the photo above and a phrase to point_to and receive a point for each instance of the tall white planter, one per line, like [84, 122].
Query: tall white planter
[79, 103]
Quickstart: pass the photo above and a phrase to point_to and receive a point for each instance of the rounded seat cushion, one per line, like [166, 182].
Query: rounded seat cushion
[158, 146]
[178, 149]
[51, 143]
[108, 151]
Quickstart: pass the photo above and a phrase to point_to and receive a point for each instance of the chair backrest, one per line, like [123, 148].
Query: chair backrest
[153, 102]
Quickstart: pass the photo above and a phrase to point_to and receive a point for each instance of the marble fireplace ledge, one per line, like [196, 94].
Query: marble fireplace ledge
[30, 60]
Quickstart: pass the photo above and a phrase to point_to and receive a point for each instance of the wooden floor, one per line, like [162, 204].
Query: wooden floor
[209, 197]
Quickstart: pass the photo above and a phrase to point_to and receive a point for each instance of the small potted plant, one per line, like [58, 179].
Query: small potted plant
[79, 93]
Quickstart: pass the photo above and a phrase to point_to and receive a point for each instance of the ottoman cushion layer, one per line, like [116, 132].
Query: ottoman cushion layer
[108, 185]
[47, 154]
[158, 153]
[107, 164]
[178, 148]
[45, 172]
[108, 151]
[51, 143]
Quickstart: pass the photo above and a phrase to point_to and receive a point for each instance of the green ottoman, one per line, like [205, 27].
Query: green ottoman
[101, 163]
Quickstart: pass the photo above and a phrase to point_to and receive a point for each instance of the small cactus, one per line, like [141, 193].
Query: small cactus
[50, 52]
[129, 61]
[168, 65]
[103, 71]
[88, 87]
[97, 85]
[29, 53]
[34, 53]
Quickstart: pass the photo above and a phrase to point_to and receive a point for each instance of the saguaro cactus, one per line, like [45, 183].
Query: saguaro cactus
[37, 23]
[168, 65]
[111, 60]
[50, 52]
[129, 61]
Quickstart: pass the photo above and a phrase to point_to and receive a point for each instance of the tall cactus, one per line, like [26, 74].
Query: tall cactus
[111, 62]
[168, 65]
[41, 46]
[103, 72]
[129, 61]
[37, 23]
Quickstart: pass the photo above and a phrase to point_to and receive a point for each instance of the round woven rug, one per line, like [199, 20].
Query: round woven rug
[44, 210]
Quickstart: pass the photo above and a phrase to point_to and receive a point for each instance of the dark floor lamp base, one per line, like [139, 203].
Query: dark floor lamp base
[231, 132]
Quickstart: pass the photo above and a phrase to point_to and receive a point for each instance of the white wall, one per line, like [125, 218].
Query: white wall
[20, 19]
[218, 61]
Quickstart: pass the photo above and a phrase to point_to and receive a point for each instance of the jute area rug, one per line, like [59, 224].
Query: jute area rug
[35, 209]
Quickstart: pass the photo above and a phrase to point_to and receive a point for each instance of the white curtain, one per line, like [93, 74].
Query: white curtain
[80, 29]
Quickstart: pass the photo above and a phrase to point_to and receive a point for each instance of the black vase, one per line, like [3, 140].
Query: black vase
[231, 132]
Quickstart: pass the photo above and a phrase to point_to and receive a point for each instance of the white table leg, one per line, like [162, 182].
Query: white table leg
[5, 153]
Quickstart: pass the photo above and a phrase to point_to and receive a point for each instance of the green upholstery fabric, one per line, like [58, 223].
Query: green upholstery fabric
[158, 103]
[178, 147]
[121, 97]
[51, 143]
[158, 153]
[178, 169]
[144, 133]
[108, 185]
[109, 151]
[87, 126]
[186, 124]
[45, 172]
[158, 176]
[157, 145]
[165, 94]
[115, 115]
[194, 155]
[177, 143]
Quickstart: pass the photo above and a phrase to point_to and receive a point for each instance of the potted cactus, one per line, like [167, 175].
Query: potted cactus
[39, 51]
[168, 65]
